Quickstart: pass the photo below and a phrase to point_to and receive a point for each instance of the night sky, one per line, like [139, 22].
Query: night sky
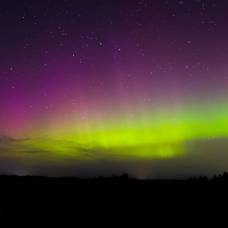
[104, 87]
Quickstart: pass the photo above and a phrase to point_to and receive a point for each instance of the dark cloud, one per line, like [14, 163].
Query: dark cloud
[4, 140]
[201, 157]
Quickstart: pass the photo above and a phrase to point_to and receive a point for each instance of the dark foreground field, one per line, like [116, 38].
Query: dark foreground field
[84, 199]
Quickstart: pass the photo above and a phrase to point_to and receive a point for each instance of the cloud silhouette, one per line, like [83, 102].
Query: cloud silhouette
[5, 140]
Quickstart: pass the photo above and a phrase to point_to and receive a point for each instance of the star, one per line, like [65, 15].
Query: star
[187, 66]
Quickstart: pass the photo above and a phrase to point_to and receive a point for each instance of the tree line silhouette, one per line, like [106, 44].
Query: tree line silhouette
[114, 178]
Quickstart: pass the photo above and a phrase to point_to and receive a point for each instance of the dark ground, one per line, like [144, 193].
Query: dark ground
[89, 200]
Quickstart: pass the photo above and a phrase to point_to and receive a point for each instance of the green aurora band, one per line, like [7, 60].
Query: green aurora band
[152, 135]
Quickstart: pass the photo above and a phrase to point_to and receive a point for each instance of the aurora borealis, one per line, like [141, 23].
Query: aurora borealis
[103, 87]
